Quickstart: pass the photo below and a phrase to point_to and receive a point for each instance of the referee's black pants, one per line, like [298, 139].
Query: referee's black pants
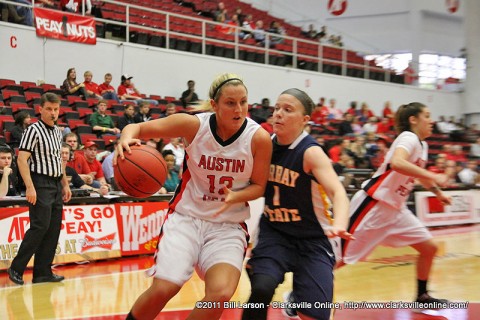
[45, 224]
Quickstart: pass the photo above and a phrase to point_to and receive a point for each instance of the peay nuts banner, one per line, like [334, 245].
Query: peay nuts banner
[65, 26]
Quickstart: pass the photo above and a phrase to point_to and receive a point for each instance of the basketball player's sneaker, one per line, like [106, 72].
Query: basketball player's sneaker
[290, 313]
[430, 303]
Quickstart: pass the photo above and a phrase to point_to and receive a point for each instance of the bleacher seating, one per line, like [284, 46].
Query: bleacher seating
[74, 111]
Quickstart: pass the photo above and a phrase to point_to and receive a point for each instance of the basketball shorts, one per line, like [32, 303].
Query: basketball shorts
[187, 243]
[311, 261]
[374, 223]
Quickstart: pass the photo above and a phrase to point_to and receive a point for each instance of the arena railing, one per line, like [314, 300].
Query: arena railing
[129, 21]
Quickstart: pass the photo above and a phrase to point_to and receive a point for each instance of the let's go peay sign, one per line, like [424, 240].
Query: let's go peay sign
[65, 26]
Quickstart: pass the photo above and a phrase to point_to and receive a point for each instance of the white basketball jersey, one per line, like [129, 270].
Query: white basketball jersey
[209, 165]
[390, 186]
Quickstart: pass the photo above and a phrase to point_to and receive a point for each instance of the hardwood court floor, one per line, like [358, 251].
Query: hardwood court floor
[107, 289]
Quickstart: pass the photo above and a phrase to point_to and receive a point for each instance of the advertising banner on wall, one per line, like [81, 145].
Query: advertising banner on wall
[65, 26]
[433, 213]
[88, 233]
[139, 225]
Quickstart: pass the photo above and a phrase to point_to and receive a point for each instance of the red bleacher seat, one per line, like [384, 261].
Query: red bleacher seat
[27, 84]
[73, 123]
[84, 137]
[8, 94]
[5, 118]
[5, 82]
[83, 112]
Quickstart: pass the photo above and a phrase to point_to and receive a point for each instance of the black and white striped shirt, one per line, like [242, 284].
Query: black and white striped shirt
[45, 145]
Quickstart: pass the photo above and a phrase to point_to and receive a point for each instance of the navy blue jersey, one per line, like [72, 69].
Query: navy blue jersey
[295, 204]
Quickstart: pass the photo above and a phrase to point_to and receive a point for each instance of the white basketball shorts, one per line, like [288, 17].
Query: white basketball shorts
[187, 243]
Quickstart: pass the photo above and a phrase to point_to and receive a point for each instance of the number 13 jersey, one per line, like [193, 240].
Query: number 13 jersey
[210, 164]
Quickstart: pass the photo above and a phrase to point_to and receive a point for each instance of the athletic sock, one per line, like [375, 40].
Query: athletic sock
[422, 287]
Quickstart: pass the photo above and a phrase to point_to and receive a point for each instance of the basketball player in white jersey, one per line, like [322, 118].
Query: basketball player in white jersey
[227, 157]
[378, 212]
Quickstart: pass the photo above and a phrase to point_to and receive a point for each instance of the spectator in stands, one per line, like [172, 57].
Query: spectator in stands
[107, 90]
[22, 121]
[344, 162]
[353, 109]
[144, 113]
[76, 6]
[320, 113]
[365, 112]
[340, 146]
[333, 112]
[72, 175]
[310, 32]
[107, 167]
[77, 160]
[443, 126]
[388, 113]
[261, 113]
[127, 91]
[91, 87]
[90, 151]
[451, 170]
[410, 75]
[170, 109]
[359, 152]
[457, 154]
[322, 35]
[276, 28]
[371, 125]
[469, 175]
[234, 23]
[8, 173]
[128, 117]
[172, 180]
[357, 127]
[176, 146]
[189, 96]
[71, 87]
[222, 25]
[345, 127]
[249, 25]
[259, 33]
[220, 11]
[240, 15]
[384, 126]
[440, 164]
[475, 149]
[102, 124]
[156, 143]
[268, 125]
[378, 153]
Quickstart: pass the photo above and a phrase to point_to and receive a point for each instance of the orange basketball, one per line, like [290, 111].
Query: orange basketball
[142, 173]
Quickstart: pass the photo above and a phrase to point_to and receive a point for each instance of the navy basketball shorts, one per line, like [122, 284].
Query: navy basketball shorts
[311, 261]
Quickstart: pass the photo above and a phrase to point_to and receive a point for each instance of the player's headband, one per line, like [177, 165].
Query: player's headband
[221, 85]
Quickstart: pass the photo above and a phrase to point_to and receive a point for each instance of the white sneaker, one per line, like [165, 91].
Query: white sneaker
[289, 312]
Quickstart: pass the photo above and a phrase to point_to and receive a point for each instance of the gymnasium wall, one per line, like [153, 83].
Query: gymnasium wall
[380, 26]
[24, 56]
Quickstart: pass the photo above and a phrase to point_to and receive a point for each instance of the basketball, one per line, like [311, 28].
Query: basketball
[142, 173]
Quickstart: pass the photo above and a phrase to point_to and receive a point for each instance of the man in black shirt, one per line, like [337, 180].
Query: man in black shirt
[189, 96]
[40, 164]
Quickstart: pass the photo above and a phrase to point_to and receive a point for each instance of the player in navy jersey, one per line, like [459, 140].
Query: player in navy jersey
[297, 226]
[225, 165]
[379, 214]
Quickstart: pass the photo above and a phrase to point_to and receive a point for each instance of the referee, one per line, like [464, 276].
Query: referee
[40, 164]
